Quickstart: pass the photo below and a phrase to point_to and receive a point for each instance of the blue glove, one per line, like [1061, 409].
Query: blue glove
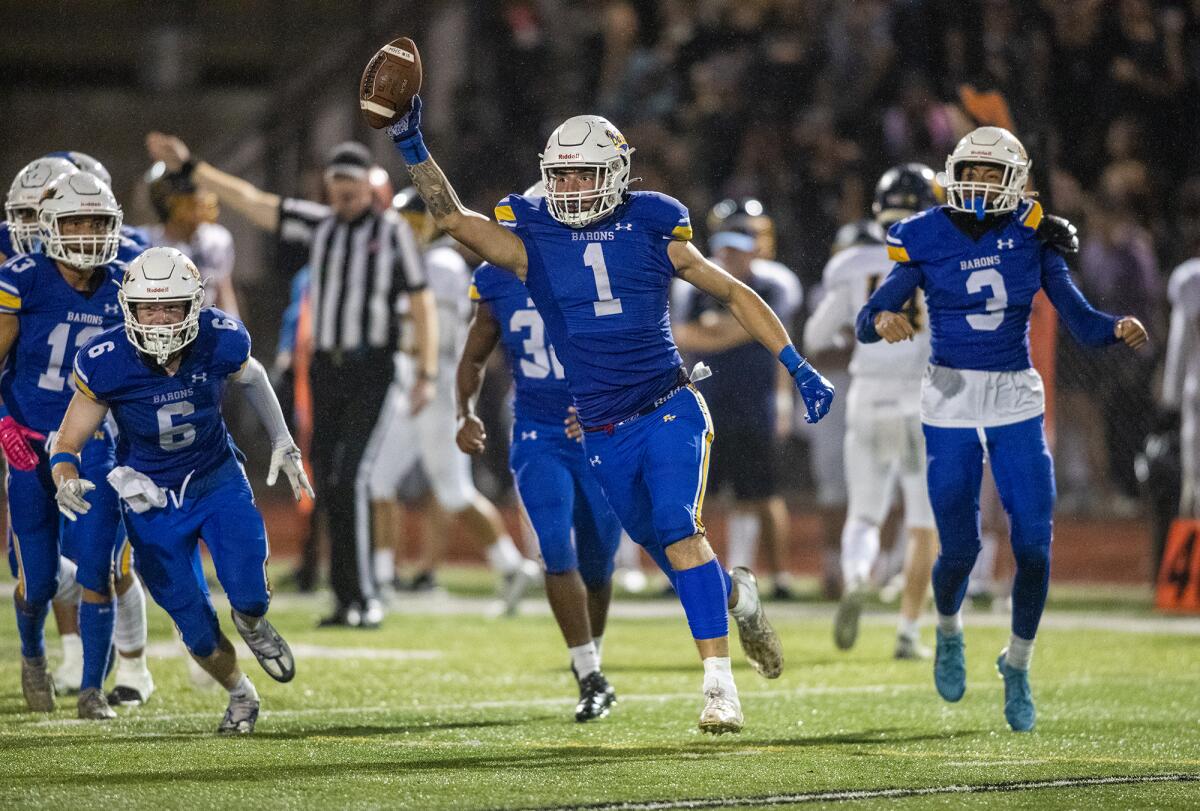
[406, 134]
[815, 390]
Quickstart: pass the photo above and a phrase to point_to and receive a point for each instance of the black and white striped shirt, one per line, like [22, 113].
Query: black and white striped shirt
[359, 273]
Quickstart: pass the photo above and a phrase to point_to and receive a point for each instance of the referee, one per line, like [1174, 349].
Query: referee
[363, 264]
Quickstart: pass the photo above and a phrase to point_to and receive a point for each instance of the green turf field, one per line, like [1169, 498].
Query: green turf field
[446, 709]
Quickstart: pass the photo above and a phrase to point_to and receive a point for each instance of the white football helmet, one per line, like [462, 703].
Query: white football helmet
[79, 194]
[586, 142]
[994, 145]
[85, 163]
[21, 205]
[161, 275]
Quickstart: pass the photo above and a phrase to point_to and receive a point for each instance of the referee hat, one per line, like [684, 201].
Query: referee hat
[348, 159]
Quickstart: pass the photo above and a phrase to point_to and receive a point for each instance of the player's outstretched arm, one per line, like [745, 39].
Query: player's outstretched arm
[482, 337]
[880, 317]
[285, 455]
[757, 319]
[1088, 325]
[492, 241]
[256, 205]
[83, 417]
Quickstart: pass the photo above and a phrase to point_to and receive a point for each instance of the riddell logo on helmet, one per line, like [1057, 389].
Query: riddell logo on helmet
[158, 289]
[568, 156]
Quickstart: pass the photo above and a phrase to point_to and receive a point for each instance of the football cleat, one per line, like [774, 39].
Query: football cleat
[516, 583]
[268, 647]
[722, 712]
[950, 666]
[342, 617]
[36, 684]
[372, 615]
[1018, 698]
[759, 641]
[910, 647]
[134, 684]
[845, 622]
[596, 697]
[240, 716]
[92, 706]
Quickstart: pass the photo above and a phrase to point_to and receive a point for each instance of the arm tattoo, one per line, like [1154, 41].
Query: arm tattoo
[434, 189]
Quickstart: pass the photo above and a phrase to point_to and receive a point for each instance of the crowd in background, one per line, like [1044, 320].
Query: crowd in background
[804, 103]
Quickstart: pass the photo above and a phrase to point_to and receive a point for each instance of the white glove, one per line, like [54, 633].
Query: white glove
[287, 459]
[70, 497]
[138, 491]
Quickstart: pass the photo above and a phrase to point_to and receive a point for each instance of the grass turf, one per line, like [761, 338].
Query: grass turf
[457, 711]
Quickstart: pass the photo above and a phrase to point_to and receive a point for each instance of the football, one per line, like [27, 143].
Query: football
[390, 80]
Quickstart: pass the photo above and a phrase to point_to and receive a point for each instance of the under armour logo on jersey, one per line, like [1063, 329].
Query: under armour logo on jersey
[623, 226]
[112, 309]
[529, 435]
[593, 461]
[1001, 244]
[668, 417]
[200, 377]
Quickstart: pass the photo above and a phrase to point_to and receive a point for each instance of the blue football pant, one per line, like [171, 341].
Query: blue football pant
[575, 527]
[220, 509]
[1024, 474]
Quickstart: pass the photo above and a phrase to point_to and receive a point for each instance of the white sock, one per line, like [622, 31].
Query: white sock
[909, 628]
[1019, 653]
[130, 666]
[598, 641]
[718, 672]
[385, 565]
[585, 658]
[244, 689]
[69, 589]
[72, 648]
[743, 539]
[860, 547]
[746, 605]
[951, 624]
[503, 555]
[130, 632]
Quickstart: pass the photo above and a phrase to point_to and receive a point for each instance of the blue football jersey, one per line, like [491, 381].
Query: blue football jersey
[538, 376]
[980, 292]
[170, 425]
[7, 249]
[603, 294]
[55, 320]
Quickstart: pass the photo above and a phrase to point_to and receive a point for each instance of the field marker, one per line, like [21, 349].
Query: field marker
[875, 794]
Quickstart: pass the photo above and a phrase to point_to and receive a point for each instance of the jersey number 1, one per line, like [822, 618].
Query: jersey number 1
[593, 257]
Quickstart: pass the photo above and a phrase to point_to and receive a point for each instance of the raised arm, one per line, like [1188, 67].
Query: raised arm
[256, 205]
[482, 337]
[492, 241]
[757, 319]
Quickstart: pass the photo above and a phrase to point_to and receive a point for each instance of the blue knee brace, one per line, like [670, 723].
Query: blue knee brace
[197, 624]
[705, 599]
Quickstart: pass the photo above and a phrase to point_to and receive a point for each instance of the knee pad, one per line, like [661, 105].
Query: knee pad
[197, 624]
[40, 591]
[68, 589]
[1032, 557]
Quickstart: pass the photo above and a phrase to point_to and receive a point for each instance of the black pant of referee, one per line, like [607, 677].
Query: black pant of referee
[349, 390]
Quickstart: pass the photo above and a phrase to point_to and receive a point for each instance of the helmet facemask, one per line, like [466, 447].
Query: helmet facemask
[981, 198]
[161, 341]
[83, 250]
[580, 208]
[23, 227]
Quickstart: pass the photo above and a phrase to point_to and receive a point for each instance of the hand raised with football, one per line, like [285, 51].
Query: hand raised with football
[389, 82]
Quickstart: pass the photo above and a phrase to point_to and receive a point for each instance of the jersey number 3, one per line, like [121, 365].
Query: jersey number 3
[994, 317]
[593, 257]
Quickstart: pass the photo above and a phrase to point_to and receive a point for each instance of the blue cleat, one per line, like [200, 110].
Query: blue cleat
[950, 666]
[1018, 698]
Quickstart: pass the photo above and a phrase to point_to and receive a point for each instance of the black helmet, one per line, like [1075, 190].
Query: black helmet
[903, 191]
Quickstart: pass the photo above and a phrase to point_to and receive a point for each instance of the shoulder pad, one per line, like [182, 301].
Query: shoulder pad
[16, 280]
[230, 340]
[515, 209]
[1029, 212]
[664, 214]
[483, 282]
[97, 370]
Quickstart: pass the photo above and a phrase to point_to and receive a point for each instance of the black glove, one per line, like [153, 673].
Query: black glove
[1059, 233]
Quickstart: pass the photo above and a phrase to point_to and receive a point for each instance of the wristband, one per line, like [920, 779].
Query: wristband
[412, 148]
[64, 456]
[790, 359]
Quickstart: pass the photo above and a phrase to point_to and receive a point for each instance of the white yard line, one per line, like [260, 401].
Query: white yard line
[877, 794]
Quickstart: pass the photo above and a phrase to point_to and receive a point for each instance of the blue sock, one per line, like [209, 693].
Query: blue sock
[96, 630]
[1030, 585]
[702, 592]
[31, 622]
[950, 575]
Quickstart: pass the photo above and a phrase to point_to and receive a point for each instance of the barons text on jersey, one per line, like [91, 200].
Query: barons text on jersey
[55, 320]
[603, 295]
[171, 425]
